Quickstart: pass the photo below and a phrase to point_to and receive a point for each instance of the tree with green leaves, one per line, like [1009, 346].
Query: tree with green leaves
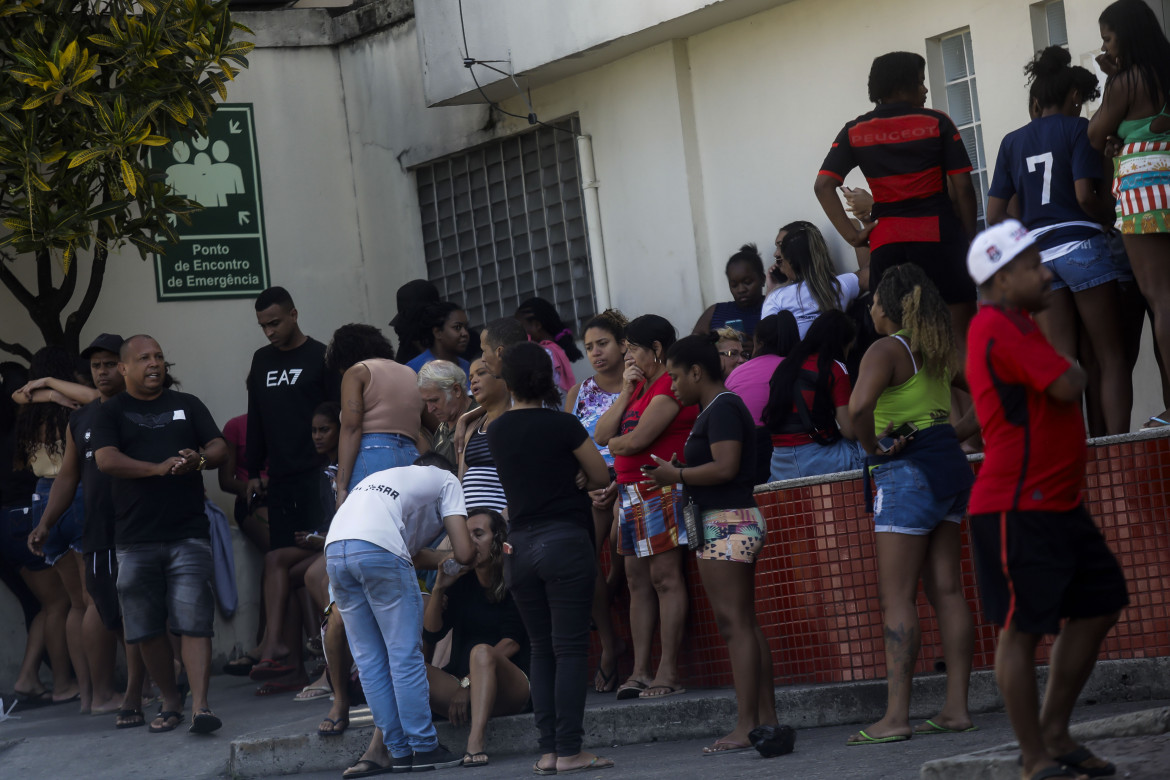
[86, 86]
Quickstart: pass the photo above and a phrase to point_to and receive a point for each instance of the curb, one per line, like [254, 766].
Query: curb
[999, 762]
[295, 747]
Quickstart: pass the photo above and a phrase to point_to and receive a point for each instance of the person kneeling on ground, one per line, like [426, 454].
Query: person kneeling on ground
[1039, 557]
[384, 522]
[487, 675]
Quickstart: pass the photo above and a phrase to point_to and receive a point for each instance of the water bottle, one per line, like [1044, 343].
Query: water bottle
[452, 567]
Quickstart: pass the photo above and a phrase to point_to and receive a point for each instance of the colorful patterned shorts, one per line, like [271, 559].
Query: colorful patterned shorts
[651, 519]
[1142, 188]
[732, 535]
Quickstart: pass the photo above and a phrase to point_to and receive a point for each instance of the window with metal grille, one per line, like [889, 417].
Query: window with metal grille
[1049, 27]
[505, 222]
[959, 97]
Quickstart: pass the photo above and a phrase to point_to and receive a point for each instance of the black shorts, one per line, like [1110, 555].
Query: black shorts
[945, 262]
[294, 504]
[1035, 568]
[101, 580]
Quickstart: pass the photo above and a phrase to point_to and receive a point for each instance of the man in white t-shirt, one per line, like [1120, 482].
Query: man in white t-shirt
[386, 519]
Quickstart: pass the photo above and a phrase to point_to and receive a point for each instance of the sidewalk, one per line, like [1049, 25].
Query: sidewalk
[274, 736]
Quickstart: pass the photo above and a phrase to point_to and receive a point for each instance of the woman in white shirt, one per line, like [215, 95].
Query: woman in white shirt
[814, 286]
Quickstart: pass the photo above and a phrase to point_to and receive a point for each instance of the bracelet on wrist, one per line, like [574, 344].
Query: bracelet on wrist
[681, 479]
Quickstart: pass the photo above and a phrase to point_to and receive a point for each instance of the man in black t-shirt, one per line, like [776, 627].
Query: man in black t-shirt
[154, 442]
[287, 382]
[101, 569]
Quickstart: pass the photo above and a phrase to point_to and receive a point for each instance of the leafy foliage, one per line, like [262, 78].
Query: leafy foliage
[85, 87]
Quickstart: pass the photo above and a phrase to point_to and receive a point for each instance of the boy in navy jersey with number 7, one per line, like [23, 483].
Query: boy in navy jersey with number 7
[1038, 555]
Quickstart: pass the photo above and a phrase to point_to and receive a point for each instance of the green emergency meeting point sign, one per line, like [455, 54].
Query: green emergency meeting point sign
[223, 252]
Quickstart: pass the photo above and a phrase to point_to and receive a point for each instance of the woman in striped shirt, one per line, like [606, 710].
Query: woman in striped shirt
[477, 469]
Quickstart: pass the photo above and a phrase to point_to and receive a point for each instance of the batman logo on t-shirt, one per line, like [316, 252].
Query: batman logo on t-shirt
[150, 420]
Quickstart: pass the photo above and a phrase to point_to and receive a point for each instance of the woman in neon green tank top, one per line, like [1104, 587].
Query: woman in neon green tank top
[922, 488]
[1133, 123]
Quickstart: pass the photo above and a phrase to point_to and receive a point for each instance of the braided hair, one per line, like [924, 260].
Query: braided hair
[912, 301]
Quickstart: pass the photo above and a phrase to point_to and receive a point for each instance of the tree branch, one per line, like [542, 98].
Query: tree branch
[68, 285]
[97, 272]
[16, 349]
[18, 290]
[44, 273]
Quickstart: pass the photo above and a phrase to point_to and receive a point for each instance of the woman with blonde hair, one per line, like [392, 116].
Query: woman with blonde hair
[814, 286]
[900, 409]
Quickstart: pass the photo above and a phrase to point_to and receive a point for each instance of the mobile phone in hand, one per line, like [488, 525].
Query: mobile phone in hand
[903, 431]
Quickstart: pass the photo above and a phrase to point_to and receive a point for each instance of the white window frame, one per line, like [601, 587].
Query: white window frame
[1042, 28]
[972, 131]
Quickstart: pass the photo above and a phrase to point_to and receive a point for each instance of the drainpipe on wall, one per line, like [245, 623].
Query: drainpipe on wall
[589, 186]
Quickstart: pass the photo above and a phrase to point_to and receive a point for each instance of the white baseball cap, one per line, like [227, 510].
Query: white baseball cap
[996, 247]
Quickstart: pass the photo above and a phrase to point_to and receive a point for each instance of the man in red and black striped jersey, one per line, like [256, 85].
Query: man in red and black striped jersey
[920, 175]
[1039, 557]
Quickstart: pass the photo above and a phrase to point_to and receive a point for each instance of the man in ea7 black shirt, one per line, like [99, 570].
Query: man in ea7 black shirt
[154, 442]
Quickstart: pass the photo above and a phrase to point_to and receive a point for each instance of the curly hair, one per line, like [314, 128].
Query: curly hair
[354, 343]
[1052, 77]
[912, 301]
[496, 590]
[44, 423]
[612, 321]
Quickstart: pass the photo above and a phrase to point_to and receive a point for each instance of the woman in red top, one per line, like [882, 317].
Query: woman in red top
[646, 419]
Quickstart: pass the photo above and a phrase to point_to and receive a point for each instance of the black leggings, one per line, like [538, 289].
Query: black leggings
[550, 573]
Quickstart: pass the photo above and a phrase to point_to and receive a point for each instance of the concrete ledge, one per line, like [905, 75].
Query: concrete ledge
[296, 27]
[297, 748]
[1123, 739]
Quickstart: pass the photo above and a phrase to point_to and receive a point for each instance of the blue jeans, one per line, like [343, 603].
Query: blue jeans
[381, 451]
[377, 593]
[812, 459]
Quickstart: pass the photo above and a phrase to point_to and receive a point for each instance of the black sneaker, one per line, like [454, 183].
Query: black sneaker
[403, 764]
[439, 758]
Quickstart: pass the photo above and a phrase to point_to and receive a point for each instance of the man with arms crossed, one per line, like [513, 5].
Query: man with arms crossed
[1038, 555]
[155, 442]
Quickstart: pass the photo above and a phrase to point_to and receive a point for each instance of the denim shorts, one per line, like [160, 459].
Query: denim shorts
[905, 504]
[1087, 265]
[67, 533]
[381, 451]
[16, 523]
[166, 581]
[812, 460]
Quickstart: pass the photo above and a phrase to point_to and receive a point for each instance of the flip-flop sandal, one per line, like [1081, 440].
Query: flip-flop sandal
[1084, 762]
[240, 667]
[334, 731]
[73, 698]
[269, 669]
[537, 769]
[313, 692]
[273, 688]
[31, 701]
[597, 763]
[608, 681]
[631, 689]
[204, 722]
[139, 719]
[722, 746]
[469, 759]
[866, 739]
[166, 715]
[370, 770]
[935, 728]
[670, 690]
[1161, 423]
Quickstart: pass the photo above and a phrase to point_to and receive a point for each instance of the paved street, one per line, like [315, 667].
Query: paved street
[56, 742]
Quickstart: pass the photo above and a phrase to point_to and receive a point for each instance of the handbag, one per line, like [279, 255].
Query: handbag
[692, 525]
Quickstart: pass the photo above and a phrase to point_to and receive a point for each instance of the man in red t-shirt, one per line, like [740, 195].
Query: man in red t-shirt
[1039, 557]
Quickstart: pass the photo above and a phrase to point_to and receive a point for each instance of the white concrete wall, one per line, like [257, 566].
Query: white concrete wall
[700, 143]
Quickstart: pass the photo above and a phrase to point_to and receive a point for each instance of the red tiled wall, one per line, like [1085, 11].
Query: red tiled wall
[817, 596]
